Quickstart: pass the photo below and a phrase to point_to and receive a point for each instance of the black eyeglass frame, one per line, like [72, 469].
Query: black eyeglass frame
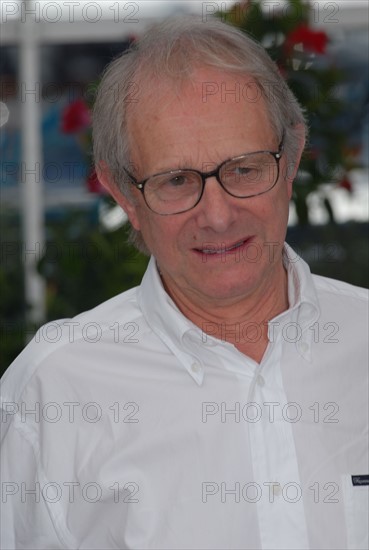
[140, 185]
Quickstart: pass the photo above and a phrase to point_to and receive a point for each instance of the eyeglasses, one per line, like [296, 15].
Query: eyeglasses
[178, 191]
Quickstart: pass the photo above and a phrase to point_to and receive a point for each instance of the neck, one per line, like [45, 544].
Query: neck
[244, 322]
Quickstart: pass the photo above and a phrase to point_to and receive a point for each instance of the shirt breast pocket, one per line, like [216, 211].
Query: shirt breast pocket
[356, 507]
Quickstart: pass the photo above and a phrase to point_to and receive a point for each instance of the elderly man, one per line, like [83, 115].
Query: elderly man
[222, 403]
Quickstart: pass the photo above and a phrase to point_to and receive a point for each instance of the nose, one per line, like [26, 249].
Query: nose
[216, 209]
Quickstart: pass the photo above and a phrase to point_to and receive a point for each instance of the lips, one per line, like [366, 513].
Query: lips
[214, 249]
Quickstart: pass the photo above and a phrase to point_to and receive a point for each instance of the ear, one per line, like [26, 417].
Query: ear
[130, 208]
[293, 166]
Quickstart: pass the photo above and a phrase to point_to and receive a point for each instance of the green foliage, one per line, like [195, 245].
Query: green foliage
[84, 266]
[12, 306]
[335, 251]
[299, 52]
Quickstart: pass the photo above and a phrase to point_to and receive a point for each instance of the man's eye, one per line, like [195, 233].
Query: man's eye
[242, 170]
[176, 181]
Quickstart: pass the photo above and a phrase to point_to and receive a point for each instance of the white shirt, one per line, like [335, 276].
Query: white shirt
[148, 433]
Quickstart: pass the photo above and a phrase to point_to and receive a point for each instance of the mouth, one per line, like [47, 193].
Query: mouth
[221, 249]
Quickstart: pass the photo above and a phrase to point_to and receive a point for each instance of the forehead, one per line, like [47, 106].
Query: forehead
[204, 88]
[216, 114]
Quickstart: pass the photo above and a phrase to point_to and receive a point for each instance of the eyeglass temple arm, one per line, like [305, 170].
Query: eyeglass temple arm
[132, 179]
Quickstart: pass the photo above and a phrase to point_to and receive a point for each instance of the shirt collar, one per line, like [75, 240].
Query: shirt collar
[302, 298]
[167, 321]
[179, 333]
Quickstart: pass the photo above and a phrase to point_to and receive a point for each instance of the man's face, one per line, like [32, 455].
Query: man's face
[198, 129]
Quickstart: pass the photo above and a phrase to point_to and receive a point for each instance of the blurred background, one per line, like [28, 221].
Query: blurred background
[63, 241]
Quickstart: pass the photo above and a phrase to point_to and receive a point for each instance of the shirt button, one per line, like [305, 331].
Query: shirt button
[195, 367]
[260, 380]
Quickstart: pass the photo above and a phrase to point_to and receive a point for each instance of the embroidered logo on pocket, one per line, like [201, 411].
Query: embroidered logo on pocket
[360, 480]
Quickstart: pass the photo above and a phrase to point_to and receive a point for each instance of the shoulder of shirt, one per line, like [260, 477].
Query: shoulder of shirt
[325, 285]
[54, 336]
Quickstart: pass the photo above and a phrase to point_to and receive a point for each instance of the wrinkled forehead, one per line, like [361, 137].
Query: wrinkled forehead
[195, 92]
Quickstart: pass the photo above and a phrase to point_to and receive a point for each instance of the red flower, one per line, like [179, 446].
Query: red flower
[76, 117]
[94, 185]
[313, 41]
[345, 183]
[282, 70]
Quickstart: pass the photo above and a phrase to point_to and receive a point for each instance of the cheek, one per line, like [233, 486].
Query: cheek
[272, 210]
[159, 233]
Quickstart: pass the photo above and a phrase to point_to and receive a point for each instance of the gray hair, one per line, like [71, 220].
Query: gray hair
[171, 50]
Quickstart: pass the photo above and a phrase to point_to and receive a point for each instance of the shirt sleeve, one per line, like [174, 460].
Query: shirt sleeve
[26, 520]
